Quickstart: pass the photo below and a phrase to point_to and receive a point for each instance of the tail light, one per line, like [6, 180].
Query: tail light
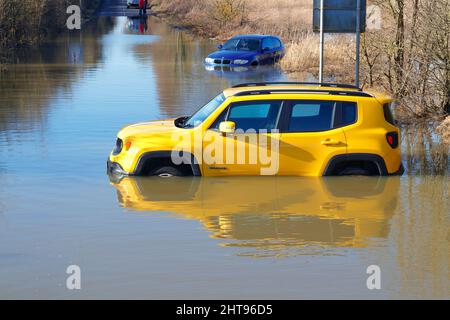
[392, 139]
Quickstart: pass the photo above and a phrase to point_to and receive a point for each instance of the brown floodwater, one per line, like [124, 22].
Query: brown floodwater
[261, 237]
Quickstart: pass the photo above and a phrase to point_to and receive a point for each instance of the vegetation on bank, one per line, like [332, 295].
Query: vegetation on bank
[27, 22]
[408, 57]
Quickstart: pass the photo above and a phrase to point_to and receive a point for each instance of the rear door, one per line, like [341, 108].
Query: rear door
[278, 52]
[267, 51]
[310, 136]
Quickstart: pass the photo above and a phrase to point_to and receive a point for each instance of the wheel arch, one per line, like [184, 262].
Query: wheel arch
[189, 160]
[339, 160]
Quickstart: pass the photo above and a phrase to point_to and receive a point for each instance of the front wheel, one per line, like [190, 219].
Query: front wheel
[167, 172]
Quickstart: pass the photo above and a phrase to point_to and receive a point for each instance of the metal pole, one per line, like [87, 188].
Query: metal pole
[358, 39]
[321, 43]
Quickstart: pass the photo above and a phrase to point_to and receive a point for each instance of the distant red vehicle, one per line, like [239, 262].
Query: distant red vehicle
[132, 3]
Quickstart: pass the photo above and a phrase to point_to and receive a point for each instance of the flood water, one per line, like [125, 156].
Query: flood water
[60, 108]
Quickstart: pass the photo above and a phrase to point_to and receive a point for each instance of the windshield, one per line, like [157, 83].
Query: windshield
[204, 112]
[242, 44]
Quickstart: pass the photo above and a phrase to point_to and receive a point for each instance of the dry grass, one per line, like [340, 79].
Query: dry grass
[302, 55]
[221, 19]
[444, 130]
[291, 20]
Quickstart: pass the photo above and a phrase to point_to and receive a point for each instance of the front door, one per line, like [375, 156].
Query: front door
[248, 150]
[309, 137]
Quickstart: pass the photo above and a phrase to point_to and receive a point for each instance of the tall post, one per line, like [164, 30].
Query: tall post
[321, 43]
[358, 39]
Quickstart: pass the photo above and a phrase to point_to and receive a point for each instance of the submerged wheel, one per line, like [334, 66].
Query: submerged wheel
[354, 171]
[167, 172]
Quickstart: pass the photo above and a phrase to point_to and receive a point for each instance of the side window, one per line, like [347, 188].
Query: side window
[260, 115]
[348, 113]
[388, 116]
[276, 43]
[266, 43]
[310, 116]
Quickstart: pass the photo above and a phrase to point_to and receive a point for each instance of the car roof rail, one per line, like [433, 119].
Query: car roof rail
[306, 91]
[319, 84]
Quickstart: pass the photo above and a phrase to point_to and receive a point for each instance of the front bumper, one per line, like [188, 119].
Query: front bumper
[115, 168]
[228, 65]
[228, 68]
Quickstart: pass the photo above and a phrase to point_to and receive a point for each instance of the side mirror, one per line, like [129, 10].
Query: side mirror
[219, 46]
[227, 127]
[179, 122]
[266, 49]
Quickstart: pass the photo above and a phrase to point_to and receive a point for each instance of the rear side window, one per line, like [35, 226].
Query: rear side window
[388, 116]
[266, 44]
[310, 116]
[276, 43]
[348, 113]
[345, 114]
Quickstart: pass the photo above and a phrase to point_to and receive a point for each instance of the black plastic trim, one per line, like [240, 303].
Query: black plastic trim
[320, 91]
[374, 158]
[165, 154]
[114, 168]
[320, 84]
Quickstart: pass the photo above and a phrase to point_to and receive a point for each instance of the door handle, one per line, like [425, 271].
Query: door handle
[330, 142]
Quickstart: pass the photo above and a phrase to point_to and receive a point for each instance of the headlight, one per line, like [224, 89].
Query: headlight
[118, 147]
[209, 60]
[240, 61]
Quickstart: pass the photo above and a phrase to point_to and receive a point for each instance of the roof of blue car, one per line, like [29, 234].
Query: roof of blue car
[256, 36]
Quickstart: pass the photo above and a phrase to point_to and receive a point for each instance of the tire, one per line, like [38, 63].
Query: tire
[354, 171]
[167, 172]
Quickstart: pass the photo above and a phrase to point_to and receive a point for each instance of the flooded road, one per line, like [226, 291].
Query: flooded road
[60, 108]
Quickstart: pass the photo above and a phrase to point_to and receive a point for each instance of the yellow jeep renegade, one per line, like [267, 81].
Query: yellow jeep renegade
[282, 128]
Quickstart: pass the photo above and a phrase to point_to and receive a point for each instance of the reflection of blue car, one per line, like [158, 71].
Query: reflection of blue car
[247, 50]
[247, 74]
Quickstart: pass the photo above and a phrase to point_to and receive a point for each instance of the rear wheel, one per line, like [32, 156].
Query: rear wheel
[167, 172]
[354, 171]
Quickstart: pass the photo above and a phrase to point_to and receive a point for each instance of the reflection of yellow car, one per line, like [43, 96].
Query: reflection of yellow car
[342, 212]
[304, 130]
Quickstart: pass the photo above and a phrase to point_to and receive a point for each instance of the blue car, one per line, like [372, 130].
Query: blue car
[247, 50]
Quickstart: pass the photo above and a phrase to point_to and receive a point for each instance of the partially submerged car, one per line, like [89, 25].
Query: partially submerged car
[286, 129]
[247, 50]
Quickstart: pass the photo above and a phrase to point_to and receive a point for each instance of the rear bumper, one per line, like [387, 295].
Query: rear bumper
[399, 172]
